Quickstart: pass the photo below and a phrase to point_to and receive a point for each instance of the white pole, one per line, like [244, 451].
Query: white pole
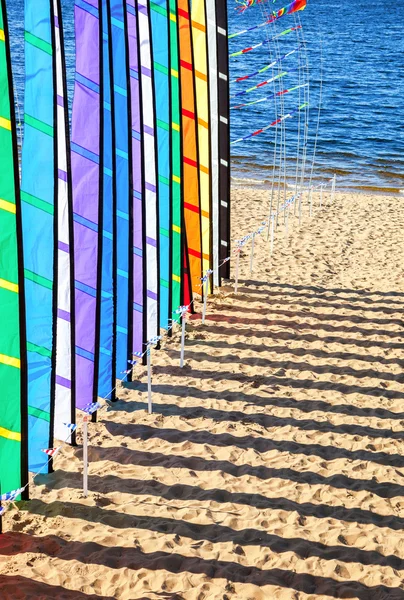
[183, 341]
[149, 381]
[272, 236]
[237, 270]
[300, 207]
[334, 182]
[252, 254]
[205, 299]
[85, 455]
[311, 201]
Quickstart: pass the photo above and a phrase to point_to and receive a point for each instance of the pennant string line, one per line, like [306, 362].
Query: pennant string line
[264, 43]
[272, 64]
[281, 93]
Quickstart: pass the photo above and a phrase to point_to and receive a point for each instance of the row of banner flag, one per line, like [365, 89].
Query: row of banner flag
[121, 208]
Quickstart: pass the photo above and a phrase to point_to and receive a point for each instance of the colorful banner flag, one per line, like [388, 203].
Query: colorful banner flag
[87, 179]
[176, 159]
[65, 401]
[40, 223]
[200, 55]
[138, 258]
[151, 304]
[13, 374]
[161, 72]
[191, 197]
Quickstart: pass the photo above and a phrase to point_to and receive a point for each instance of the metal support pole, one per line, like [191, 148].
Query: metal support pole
[184, 319]
[272, 236]
[205, 299]
[149, 382]
[237, 270]
[85, 455]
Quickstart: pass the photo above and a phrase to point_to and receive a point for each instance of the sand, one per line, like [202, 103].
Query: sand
[272, 467]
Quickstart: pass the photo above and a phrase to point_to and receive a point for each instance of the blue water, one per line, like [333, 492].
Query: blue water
[361, 134]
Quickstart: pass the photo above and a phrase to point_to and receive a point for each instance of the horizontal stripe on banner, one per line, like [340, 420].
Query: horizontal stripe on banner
[164, 180]
[87, 7]
[38, 125]
[86, 289]
[5, 123]
[163, 125]
[173, 17]
[200, 75]
[188, 113]
[10, 361]
[183, 13]
[164, 232]
[195, 209]
[85, 153]
[176, 229]
[174, 73]
[137, 307]
[38, 43]
[63, 382]
[37, 202]
[138, 251]
[117, 23]
[8, 206]
[164, 283]
[198, 26]
[158, 9]
[122, 273]
[7, 285]
[204, 169]
[121, 329]
[176, 179]
[161, 68]
[88, 83]
[85, 222]
[105, 351]
[38, 279]
[176, 279]
[175, 126]
[205, 214]
[151, 242]
[2, 37]
[203, 123]
[84, 353]
[39, 413]
[151, 295]
[41, 350]
[186, 65]
[194, 253]
[63, 314]
[10, 435]
[190, 162]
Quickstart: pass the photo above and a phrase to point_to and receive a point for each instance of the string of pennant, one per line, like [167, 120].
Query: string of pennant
[181, 311]
[272, 64]
[271, 96]
[265, 42]
[276, 122]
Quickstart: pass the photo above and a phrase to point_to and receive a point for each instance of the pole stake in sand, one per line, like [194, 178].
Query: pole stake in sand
[182, 311]
[334, 183]
[321, 196]
[149, 382]
[272, 236]
[152, 342]
[252, 253]
[300, 207]
[205, 283]
[311, 201]
[86, 419]
[238, 250]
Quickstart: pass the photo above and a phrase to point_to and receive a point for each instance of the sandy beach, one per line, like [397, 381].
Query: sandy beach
[273, 465]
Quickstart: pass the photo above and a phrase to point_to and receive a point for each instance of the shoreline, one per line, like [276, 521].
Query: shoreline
[259, 184]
